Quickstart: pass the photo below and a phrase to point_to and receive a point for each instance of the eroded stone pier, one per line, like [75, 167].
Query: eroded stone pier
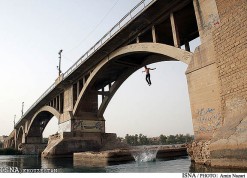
[217, 83]
[127, 154]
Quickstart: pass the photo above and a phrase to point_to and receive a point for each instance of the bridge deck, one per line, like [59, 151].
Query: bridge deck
[133, 24]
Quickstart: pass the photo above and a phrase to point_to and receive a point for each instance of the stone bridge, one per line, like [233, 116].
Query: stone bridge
[153, 31]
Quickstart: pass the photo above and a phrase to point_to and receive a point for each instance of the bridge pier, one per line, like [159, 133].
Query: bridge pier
[218, 97]
[64, 144]
[32, 148]
[34, 140]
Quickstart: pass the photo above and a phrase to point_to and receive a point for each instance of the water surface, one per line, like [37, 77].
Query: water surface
[175, 165]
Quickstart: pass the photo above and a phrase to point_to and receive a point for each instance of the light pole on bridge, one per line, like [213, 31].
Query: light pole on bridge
[59, 66]
[22, 109]
[14, 121]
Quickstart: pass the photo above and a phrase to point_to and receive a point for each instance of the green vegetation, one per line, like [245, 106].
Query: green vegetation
[141, 139]
[9, 151]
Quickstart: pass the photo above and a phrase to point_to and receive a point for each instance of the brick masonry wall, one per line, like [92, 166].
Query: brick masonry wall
[204, 95]
[225, 6]
[230, 44]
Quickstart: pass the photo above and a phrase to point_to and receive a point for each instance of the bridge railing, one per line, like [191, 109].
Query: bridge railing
[38, 100]
[131, 15]
[139, 8]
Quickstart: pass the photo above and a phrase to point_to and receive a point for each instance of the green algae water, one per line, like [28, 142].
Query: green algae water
[66, 165]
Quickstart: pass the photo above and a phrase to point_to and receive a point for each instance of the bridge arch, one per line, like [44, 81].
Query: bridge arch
[127, 60]
[156, 48]
[20, 137]
[38, 123]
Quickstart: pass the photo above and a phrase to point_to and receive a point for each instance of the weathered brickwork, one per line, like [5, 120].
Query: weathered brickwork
[230, 44]
[225, 6]
[205, 100]
[219, 107]
[229, 143]
[203, 76]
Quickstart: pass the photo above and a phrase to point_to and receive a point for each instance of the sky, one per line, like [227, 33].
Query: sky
[33, 31]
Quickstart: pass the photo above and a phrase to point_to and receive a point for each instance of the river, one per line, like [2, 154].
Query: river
[66, 165]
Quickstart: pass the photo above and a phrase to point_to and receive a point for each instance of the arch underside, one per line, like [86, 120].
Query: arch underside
[117, 67]
[40, 121]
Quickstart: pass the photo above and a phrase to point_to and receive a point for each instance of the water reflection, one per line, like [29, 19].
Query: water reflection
[198, 168]
[95, 164]
[67, 165]
[177, 165]
[56, 163]
[20, 161]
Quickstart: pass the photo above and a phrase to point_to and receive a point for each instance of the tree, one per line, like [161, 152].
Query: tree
[121, 139]
[163, 139]
[180, 138]
[143, 140]
[136, 140]
[128, 139]
[188, 138]
[171, 139]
